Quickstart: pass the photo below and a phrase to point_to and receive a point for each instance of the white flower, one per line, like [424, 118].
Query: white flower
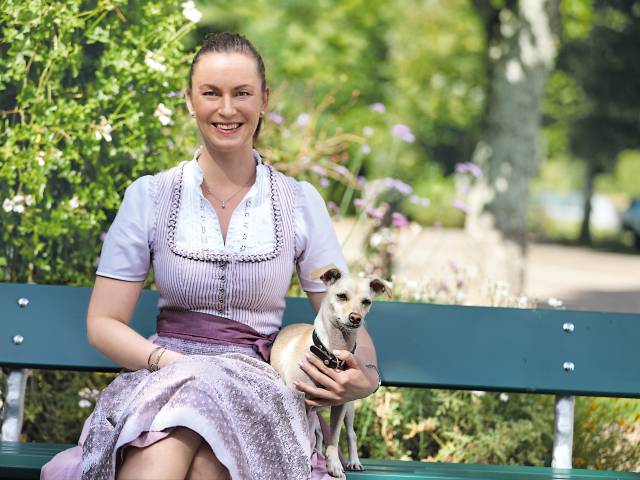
[29, 200]
[366, 149]
[104, 130]
[155, 62]
[18, 208]
[40, 158]
[504, 397]
[190, 11]
[303, 119]
[74, 202]
[7, 205]
[163, 114]
[479, 393]
[367, 131]
[84, 403]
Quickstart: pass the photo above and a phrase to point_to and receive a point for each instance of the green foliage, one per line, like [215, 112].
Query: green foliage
[80, 88]
[58, 403]
[461, 427]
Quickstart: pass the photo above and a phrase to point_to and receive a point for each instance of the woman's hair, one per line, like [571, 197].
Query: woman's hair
[225, 42]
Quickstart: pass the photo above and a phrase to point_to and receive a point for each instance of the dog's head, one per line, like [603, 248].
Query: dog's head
[349, 298]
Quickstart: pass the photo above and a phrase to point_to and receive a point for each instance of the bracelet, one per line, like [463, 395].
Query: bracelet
[153, 366]
[371, 365]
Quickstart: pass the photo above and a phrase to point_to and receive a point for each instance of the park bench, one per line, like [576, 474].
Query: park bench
[565, 353]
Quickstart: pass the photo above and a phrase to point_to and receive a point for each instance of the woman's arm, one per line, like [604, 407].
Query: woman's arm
[340, 386]
[110, 310]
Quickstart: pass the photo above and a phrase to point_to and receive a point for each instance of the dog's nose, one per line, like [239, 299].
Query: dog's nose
[355, 318]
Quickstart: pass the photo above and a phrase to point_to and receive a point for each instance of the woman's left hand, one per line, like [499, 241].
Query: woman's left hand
[336, 387]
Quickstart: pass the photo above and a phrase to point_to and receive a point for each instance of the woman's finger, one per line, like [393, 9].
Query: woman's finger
[318, 376]
[329, 372]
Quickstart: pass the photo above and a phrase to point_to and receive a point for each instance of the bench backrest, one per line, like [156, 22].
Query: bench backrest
[439, 346]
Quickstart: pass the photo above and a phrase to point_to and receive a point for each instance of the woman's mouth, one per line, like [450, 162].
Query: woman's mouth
[227, 128]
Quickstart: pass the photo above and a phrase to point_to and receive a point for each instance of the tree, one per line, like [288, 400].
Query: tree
[604, 65]
[522, 39]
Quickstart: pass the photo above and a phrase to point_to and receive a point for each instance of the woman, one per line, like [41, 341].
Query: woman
[223, 233]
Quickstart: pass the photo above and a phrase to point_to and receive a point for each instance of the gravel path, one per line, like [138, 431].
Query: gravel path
[583, 279]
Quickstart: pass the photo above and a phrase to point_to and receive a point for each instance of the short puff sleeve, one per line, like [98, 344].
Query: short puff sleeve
[126, 252]
[316, 241]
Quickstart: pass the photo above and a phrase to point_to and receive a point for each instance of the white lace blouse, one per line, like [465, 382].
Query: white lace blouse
[126, 253]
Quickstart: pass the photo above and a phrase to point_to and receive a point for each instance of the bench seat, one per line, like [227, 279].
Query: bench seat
[24, 460]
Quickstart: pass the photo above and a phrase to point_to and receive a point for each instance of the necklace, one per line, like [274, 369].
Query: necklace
[223, 203]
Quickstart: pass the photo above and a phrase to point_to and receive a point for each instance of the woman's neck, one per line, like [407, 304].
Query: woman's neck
[227, 169]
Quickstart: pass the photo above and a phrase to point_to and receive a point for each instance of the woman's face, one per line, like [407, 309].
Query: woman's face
[227, 98]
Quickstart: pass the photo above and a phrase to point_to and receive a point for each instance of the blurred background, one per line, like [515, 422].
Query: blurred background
[472, 151]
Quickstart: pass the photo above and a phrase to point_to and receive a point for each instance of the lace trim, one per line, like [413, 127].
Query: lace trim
[211, 256]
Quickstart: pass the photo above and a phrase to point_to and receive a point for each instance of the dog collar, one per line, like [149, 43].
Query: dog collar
[323, 353]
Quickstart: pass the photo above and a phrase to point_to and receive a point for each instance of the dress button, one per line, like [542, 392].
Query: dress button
[222, 278]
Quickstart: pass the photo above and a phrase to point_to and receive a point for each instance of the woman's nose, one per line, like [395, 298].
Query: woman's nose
[227, 108]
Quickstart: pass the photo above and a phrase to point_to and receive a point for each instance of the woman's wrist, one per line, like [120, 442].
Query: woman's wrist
[373, 373]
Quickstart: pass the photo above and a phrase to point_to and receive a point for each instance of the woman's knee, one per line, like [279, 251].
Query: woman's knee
[206, 466]
[171, 456]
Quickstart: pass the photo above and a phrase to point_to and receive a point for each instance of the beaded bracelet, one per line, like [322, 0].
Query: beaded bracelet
[371, 365]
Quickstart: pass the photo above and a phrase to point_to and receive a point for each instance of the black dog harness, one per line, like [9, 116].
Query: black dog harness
[323, 353]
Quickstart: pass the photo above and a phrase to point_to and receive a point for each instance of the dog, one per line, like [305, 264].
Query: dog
[341, 314]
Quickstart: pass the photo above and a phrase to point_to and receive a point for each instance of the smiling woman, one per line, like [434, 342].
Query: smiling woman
[224, 233]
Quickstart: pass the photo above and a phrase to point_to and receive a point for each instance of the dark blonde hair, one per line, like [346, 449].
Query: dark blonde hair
[225, 42]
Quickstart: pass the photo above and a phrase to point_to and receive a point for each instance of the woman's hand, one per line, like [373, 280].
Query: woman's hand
[336, 387]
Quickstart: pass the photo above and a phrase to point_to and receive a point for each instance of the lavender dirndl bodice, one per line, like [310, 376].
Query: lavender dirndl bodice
[248, 288]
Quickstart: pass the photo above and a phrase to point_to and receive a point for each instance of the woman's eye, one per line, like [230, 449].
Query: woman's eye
[342, 297]
[366, 302]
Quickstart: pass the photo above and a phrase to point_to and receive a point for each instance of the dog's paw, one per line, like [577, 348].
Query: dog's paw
[355, 466]
[334, 467]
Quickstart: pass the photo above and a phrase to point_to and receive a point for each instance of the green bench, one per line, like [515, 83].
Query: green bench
[431, 346]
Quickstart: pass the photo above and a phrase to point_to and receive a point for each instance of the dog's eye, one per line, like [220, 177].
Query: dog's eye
[366, 302]
[342, 297]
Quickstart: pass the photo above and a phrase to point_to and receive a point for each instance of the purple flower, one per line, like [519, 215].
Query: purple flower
[375, 213]
[423, 202]
[324, 182]
[331, 205]
[103, 236]
[319, 170]
[469, 167]
[361, 180]
[366, 149]
[342, 170]
[378, 107]
[403, 132]
[437, 225]
[359, 203]
[275, 118]
[463, 207]
[398, 185]
[398, 220]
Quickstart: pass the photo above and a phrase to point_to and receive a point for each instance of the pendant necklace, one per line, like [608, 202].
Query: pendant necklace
[223, 203]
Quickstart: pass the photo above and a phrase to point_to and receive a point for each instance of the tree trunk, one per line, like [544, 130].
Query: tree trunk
[521, 47]
[585, 228]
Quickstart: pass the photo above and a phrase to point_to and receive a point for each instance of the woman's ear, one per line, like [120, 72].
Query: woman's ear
[187, 98]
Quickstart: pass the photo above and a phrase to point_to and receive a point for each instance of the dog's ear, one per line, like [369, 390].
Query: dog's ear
[380, 286]
[329, 274]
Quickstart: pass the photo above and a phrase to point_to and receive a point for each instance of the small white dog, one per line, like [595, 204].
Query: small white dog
[336, 325]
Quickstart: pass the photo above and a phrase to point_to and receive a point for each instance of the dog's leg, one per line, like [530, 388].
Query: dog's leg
[334, 466]
[352, 440]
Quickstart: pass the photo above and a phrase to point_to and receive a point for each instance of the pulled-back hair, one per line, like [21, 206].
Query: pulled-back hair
[225, 42]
